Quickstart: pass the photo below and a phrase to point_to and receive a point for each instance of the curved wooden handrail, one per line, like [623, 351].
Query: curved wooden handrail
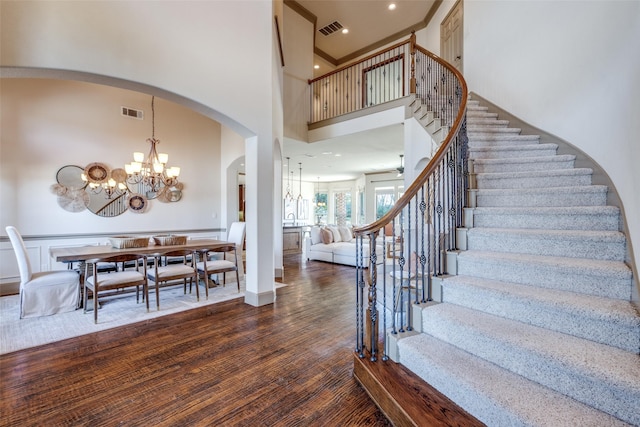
[413, 189]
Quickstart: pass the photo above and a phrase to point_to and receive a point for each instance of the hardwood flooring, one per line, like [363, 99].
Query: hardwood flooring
[230, 364]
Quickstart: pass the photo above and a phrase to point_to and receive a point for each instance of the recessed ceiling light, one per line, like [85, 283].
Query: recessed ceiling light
[338, 155]
[345, 31]
[316, 66]
[327, 152]
[392, 6]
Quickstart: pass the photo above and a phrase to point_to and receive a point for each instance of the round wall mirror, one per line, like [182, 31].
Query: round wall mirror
[79, 195]
[71, 177]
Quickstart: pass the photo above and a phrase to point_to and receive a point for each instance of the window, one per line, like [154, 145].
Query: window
[361, 217]
[385, 199]
[342, 208]
[321, 207]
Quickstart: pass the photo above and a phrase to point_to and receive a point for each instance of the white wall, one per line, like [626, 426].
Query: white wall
[200, 54]
[298, 56]
[570, 68]
[429, 37]
[47, 124]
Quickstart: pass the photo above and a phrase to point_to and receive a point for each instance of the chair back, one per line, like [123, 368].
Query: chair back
[237, 233]
[119, 258]
[24, 266]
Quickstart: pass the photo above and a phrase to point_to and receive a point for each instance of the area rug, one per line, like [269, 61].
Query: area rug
[18, 334]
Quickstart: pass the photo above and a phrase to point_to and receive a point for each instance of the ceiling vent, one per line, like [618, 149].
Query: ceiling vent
[331, 28]
[130, 112]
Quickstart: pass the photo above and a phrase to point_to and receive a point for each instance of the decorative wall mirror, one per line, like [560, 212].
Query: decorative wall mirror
[106, 192]
[71, 177]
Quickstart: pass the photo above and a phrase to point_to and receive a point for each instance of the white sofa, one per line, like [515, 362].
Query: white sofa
[341, 249]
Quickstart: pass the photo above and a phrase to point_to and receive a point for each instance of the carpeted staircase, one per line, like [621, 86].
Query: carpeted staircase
[537, 327]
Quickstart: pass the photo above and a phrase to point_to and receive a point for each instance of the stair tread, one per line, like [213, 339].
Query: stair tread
[519, 147]
[615, 310]
[458, 374]
[483, 120]
[535, 173]
[596, 235]
[571, 189]
[549, 210]
[516, 160]
[475, 129]
[584, 265]
[492, 136]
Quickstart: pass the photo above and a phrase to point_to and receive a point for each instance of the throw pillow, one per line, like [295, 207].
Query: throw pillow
[327, 236]
[345, 233]
[316, 237]
[336, 233]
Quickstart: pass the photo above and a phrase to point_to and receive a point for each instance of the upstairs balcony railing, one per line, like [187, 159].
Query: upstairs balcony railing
[373, 80]
[401, 255]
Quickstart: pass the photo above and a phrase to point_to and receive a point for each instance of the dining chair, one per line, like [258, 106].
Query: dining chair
[208, 267]
[163, 272]
[46, 292]
[237, 233]
[98, 282]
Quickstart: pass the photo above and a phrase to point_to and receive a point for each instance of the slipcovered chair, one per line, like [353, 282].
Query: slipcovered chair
[47, 292]
[97, 282]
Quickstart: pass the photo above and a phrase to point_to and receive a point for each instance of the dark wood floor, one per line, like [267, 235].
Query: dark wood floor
[230, 364]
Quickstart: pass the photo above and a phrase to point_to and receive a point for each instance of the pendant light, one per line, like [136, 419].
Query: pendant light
[300, 183]
[288, 195]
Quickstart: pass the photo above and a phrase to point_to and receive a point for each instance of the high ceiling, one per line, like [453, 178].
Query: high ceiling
[371, 25]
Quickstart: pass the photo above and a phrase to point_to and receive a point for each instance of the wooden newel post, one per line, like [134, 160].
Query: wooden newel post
[371, 319]
[412, 49]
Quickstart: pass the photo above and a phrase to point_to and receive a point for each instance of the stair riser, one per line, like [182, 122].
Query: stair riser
[522, 167]
[544, 315]
[543, 245]
[552, 277]
[550, 222]
[434, 125]
[532, 182]
[533, 366]
[510, 154]
[549, 199]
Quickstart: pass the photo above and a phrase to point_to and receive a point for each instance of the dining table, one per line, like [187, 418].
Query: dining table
[85, 254]
[72, 254]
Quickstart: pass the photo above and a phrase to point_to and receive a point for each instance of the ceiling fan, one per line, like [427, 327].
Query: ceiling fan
[400, 169]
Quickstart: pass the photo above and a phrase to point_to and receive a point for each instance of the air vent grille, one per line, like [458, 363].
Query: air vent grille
[331, 28]
[131, 112]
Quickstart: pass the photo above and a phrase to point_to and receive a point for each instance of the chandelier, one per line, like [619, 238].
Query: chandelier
[111, 188]
[152, 172]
